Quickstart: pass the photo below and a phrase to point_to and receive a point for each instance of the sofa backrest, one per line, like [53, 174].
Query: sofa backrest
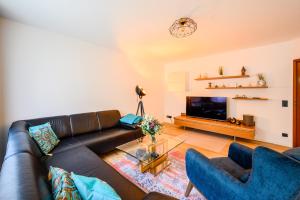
[84, 123]
[108, 118]
[59, 124]
[19, 140]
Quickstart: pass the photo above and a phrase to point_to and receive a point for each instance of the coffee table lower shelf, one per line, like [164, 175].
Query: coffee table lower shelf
[156, 166]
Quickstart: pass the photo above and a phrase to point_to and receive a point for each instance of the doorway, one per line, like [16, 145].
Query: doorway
[296, 103]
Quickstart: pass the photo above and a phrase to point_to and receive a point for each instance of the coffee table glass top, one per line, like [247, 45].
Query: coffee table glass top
[146, 151]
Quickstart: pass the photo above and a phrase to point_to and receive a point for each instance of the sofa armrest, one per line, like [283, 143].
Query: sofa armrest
[157, 196]
[210, 180]
[241, 154]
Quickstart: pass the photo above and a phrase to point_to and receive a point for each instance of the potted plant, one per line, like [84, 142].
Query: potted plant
[150, 126]
[261, 80]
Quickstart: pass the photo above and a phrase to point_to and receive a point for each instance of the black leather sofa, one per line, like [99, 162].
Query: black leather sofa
[82, 138]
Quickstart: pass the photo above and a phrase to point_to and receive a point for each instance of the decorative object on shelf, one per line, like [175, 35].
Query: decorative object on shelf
[223, 85]
[243, 71]
[140, 92]
[183, 27]
[151, 126]
[261, 80]
[221, 71]
[216, 86]
[209, 84]
[238, 122]
[248, 120]
[233, 120]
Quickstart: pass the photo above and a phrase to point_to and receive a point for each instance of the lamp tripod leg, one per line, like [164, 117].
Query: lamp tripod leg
[140, 109]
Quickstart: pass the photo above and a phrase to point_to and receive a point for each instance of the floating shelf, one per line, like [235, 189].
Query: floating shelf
[247, 98]
[243, 87]
[222, 77]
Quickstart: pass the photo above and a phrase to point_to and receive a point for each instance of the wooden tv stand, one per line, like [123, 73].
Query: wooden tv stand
[220, 127]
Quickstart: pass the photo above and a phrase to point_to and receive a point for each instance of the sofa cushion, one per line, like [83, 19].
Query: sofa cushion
[79, 160]
[107, 140]
[23, 177]
[66, 144]
[60, 124]
[109, 118]
[90, 164]
[84, 123]
[232, 168]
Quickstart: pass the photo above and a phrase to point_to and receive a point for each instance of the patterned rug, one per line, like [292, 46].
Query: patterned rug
[171, 181]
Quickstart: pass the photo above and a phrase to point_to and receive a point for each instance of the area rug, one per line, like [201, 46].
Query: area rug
[172, 181]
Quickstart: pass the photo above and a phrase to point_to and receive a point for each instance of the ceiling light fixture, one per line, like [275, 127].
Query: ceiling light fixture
[183, 27]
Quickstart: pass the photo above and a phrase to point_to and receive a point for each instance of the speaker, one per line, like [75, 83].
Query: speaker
[248, 120]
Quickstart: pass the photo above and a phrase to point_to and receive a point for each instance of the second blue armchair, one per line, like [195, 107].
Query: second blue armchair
[246, 174]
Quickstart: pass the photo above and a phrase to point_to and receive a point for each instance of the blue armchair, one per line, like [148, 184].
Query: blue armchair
[246, 174]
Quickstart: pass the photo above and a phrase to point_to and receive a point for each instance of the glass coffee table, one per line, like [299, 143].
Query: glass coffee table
[153, 157]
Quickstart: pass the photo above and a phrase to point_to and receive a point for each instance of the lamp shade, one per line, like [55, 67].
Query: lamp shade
[140, 91]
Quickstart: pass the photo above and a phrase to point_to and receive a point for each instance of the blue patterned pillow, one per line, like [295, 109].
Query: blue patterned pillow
[44, 136]
[63, 187]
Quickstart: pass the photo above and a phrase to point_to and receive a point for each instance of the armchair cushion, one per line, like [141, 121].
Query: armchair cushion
[294, 153]
[241, 154]
[232, 168]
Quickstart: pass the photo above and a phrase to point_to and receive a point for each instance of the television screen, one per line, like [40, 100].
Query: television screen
[207, 107]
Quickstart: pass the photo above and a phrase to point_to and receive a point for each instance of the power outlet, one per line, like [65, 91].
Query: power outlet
[285, 103]
[284, 135]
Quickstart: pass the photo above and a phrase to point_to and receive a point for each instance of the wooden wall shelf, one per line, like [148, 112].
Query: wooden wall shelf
[252, 99]
[221, 127]
[243, 87]
[222, 77]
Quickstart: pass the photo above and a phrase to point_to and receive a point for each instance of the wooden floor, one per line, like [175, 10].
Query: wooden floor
[173, 130]
[209, 144]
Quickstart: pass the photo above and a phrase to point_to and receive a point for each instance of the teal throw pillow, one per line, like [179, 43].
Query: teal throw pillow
[63, 187]
[44, 136]
[91, 188]
[131, 119]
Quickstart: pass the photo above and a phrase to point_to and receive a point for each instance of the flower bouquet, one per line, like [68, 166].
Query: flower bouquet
[150, 126]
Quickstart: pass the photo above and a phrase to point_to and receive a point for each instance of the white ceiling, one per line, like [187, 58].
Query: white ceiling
[140, 27]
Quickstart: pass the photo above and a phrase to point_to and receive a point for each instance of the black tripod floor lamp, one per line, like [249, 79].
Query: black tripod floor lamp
[140, 92]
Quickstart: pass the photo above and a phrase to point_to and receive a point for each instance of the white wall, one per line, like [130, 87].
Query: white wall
[274, 61]
[48, 74]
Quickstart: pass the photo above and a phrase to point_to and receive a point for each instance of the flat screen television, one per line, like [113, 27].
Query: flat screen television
[207, 107]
